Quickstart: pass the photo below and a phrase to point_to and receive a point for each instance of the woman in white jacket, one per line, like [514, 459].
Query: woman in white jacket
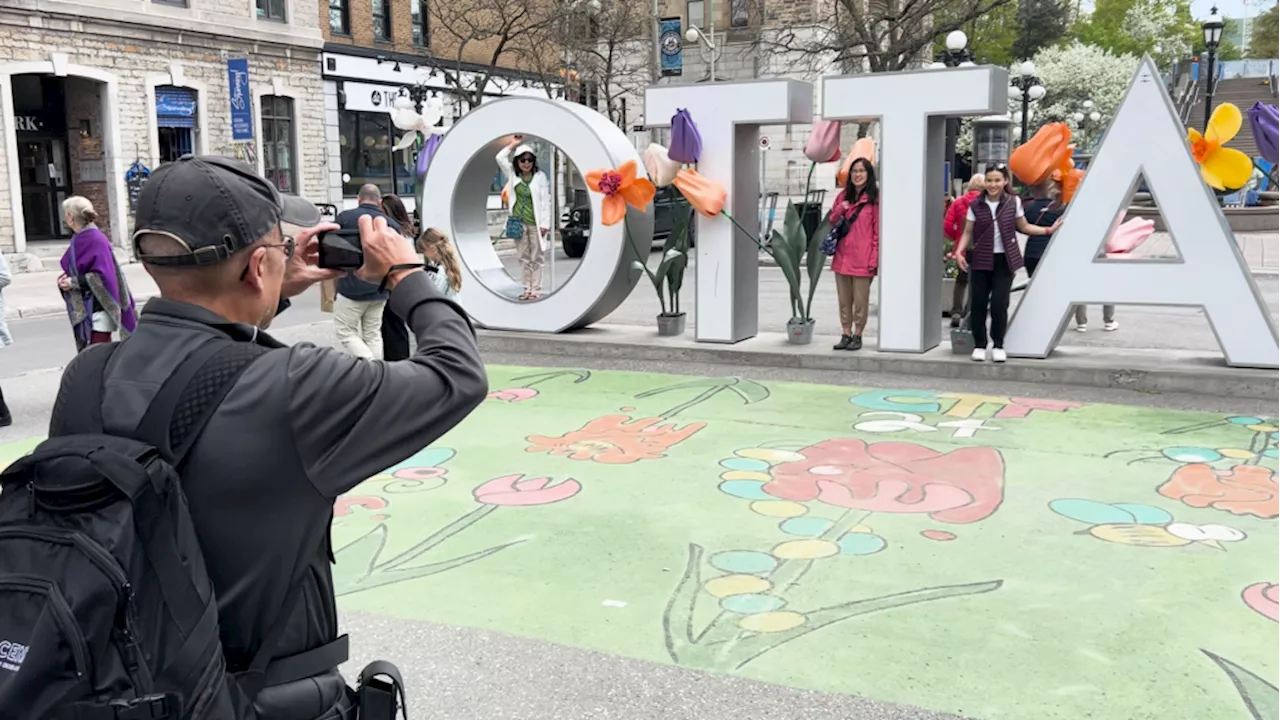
[530, 196]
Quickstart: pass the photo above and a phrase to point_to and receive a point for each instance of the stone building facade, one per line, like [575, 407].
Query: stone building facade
[91, 90]
[747, 35]
[373, 52]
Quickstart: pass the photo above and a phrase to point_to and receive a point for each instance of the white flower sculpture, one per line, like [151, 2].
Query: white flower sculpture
[404, 118]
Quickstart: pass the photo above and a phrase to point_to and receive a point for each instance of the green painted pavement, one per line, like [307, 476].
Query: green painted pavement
[999, 557]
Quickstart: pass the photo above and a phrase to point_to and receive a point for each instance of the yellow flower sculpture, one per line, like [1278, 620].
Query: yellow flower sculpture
[1222, 168]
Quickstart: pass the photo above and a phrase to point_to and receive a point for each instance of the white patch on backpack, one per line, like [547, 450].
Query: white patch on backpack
[11, 655]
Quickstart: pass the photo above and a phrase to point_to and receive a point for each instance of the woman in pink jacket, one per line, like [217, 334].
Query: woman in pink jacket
[857, 257]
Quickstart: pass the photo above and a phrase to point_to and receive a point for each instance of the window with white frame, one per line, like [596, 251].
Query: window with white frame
[279, 160]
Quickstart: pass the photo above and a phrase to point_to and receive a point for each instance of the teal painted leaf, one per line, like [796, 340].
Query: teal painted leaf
[1099, 513]
[1146, 514]
[1259, 696]
[750, 391]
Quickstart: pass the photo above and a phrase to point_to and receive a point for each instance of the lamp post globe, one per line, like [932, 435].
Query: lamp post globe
[1035, 92]
[1078, 117]
[691, 35]
[1095, 116]
[1027, 68]
[1015, 92]
[1088, 104]
[957, 40]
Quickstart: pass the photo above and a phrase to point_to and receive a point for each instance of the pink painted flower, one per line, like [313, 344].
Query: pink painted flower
[513, 395]
[512, 490]
[1264, 598]
[343, 506]
[961, 486]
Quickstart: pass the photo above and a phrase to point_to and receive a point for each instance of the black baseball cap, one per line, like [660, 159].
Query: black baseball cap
[214, 206]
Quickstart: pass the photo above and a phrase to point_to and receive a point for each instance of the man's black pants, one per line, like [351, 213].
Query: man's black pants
[395, 336]
[990, 287]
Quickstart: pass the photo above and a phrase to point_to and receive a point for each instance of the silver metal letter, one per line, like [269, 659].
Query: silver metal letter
[912, 108]
[1146, 140]
[456, 189]
[729, 116]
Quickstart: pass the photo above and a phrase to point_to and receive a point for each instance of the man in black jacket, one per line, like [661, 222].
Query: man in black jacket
[302, 424]
[359, 309]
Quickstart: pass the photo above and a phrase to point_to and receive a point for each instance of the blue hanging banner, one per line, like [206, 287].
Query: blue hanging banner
[241, 99]
[672, 45]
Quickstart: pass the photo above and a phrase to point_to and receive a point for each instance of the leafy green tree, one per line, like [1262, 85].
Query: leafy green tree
[991, 36]
[1263, 40]
[1040, 24]
[1137, 27]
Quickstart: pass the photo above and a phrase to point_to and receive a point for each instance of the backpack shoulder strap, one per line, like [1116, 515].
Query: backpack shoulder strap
[187, 400]
[81, 390]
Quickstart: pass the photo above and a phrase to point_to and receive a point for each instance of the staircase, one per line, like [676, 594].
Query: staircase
[1243, 93]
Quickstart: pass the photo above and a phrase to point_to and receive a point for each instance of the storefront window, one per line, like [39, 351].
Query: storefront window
[381, 20]
[366, 140]
[175, 122]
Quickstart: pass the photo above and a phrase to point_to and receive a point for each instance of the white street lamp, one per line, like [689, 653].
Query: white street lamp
[1035, 92]
[1027, 69]
[1095, 116]
[1078, 117]
[1088, 104]
[957, 40]
[1015, 92]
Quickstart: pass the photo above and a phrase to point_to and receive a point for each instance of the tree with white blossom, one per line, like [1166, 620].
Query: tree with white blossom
[1071, 75]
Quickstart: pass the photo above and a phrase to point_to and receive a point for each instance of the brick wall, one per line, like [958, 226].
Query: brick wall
[133, 53]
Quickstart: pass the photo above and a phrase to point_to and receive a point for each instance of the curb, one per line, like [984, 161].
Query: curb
[1148, 371]
[42, 311]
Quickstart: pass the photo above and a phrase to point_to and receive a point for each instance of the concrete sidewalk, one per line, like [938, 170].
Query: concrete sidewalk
[35, 294]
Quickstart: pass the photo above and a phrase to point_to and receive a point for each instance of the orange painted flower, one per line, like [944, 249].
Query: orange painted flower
[616, 440]
[705, 195]
[620, 188]
[1241, 490]
[1222, 168]
[1049, 150]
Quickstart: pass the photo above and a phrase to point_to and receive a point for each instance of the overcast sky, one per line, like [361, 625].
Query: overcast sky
[1230, 8]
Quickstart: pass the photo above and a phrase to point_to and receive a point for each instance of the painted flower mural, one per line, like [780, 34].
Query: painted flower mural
[1240, 489]
[1264, 598]
[363, 563]
[795, 488]
[616, 440]
[514, 490]
[961, 486]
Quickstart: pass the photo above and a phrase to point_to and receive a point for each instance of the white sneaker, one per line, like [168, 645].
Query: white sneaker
[1082, 327]
[979, 354]
[1110, 326]
[997, 355]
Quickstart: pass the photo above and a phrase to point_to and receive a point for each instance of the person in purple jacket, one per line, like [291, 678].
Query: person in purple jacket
[989, 252]
[92, 284]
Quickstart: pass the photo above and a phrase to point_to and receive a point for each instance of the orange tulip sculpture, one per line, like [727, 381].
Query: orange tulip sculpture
[1050, 149]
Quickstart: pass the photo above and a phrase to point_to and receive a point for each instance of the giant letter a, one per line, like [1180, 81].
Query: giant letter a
[1146, 138]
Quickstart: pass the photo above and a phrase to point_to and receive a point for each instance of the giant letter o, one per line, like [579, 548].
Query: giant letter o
[456, 189]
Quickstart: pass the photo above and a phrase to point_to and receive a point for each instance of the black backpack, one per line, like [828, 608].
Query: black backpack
[105, 608]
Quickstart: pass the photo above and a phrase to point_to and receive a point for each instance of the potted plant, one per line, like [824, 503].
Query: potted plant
[790, 248]
[669, 277]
